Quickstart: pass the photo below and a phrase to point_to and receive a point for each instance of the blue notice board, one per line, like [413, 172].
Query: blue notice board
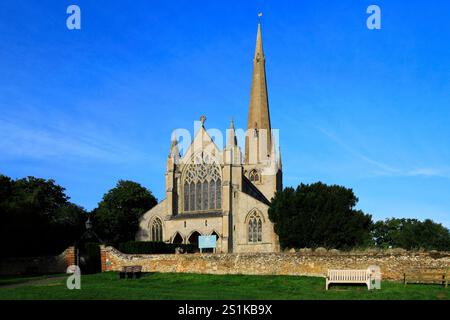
[205, 242]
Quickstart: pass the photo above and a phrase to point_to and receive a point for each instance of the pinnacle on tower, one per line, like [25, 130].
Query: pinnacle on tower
[231, 138]
[174, 151]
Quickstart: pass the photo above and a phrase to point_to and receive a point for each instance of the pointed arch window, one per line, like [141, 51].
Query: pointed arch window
[202, 185]
[157, 231]
[254, 176]
[255, 228]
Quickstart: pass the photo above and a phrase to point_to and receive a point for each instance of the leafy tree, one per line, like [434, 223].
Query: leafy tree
[411, 234]
[116, 219]
[6, 185]
[319, 215]
[69, 223]
[6, 188]
[33, 214]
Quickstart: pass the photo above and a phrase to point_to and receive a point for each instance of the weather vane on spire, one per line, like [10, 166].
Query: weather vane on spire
[259, 16]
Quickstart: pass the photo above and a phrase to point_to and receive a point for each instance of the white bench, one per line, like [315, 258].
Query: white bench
[349, 276]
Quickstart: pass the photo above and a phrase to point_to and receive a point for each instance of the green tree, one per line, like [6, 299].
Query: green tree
[69, 223]
[411, 234]
[319, 215]
[116, 219]
[6, 190]
[6, 186]
[33, 213]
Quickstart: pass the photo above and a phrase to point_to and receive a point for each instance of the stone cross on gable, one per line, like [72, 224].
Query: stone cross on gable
[202, 120]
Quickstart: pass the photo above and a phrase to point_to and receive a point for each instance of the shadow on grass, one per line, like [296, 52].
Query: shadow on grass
[346, 287]
[9, 280]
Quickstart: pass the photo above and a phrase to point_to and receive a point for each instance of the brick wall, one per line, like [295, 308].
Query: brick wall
[69, 255]
[103, 257]
[391, 262]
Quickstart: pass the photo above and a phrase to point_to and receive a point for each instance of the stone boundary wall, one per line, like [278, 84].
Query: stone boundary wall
[38, 265]
[392, 263]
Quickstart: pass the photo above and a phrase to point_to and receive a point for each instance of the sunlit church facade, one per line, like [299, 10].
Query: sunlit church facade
[223, 192]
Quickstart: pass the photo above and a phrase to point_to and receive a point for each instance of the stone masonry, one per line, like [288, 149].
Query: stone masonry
[392, 263]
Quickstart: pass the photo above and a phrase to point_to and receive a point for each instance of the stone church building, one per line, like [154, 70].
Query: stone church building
[222, 192]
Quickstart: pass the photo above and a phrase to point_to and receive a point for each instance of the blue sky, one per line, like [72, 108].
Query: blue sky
[366, 109]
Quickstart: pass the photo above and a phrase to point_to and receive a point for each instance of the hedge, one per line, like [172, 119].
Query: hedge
[149, 247]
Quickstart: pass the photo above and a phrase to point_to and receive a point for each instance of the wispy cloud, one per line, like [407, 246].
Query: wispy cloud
[25, 140]
[384, 169]
[381, 167]
[428, 172]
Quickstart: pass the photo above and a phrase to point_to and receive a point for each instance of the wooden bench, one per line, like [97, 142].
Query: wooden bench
[131, 272]
[348, 276]
[415, 276]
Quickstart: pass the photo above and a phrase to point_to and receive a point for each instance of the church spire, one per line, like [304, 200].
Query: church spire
[258, 116]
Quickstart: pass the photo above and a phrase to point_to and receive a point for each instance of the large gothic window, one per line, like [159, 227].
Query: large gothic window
[157, 233]
[202, 185]
[254, 228]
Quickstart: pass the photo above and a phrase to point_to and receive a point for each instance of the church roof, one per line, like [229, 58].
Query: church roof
[202, 142]
[250, 189]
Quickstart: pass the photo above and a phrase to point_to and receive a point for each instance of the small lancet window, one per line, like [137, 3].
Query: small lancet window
[157, 232]
[254, 176]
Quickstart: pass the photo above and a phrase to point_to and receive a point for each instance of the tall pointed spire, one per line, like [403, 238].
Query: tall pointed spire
[258, 115]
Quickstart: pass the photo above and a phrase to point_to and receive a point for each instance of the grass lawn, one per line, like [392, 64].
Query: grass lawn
[13, 280]
[209, 287]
